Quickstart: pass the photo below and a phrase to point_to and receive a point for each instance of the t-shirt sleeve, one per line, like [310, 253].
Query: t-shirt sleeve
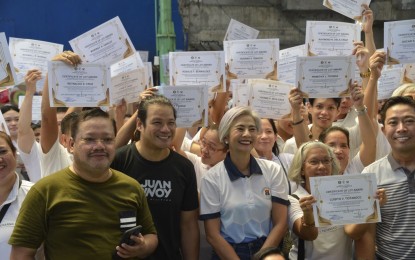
[30, 226]
[209, 198]
[294, 211]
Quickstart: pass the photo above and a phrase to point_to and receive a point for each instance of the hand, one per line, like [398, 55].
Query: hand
[147, 93]
[376, 62]
[357, 95]
[362, 56]
[32, 76]
[306, 204]
[367, 19]
[296, 99]
[381, 196]
[68, 57]
[126, 251]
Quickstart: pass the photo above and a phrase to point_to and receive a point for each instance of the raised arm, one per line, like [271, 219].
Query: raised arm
[376, 62]
[25, 132]
[367, 28]
[300, 128]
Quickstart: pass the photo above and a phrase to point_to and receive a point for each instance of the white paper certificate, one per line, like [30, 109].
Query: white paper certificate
[106, 43]
[127, 86]
[125, 65]
[190, 103]
[288, 63]
[388, 82]
[345, 199]
[32, 54]
[269, 98]
[240, 91]
[350, 8]
[239, 31]
[409, 73]
[83, 86]
[36, 111]
[399, 41]
[149, 74]
[198, 68]
[325, 77]
[331, 38]
[7, 73]
[252, 58]
[3, 124]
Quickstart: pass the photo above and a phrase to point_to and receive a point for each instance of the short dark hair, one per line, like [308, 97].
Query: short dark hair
[85, 116]
[145, 103]
[67, 122]
[336, 100]
[264, 252]
[393, 101]
[6, 108]
[326, 132]
[36, 126]
[8, 140]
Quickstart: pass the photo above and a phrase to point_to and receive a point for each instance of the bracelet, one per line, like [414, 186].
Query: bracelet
[361, 111]
[365, 74]
[305, 224]
[298, 122]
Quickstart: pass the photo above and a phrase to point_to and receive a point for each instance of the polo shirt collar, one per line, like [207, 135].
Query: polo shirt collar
[394, 164]
[235, 174]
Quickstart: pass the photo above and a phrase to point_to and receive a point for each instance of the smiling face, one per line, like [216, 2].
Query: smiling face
[7, 160]
[317, 163]
[243, 134]
[323, 112]
[345, 105]
[12, 118]
[338, 142]
[211, 149]
[266, 139]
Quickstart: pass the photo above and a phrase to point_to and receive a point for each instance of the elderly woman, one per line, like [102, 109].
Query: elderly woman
[13, 190]
[243, 199]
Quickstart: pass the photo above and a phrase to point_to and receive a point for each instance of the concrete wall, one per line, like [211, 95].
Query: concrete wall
[205, 21]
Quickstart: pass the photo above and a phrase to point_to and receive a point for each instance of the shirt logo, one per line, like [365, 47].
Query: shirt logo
[267, 192]
[157, 188]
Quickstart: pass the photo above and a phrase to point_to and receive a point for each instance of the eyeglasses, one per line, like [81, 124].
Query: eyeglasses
[94, 141]
[326, 161]
[204, 145]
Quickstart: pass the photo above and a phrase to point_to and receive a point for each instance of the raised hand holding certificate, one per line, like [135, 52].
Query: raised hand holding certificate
[325, 38]
[288, 63]
[325, 77]
[388, 82]
[269, 98]
[252, 58]
[345, 199]
[190, 103]
[83, 86]
[399, 41]
[239, 31]
[350, 8]
[7, 73]
[107, 43]
[198, 68]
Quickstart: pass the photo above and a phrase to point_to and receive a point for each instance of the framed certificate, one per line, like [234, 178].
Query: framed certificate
[106, 43]
[239, 31]
[190, 103]
[325, 38]
[198, 68]
[252, 58]
[269, 98]
[86, 85]
[325, 77]
[345, 199]
[8, 75]
[350, 8]
[399, 41]
[288, 63]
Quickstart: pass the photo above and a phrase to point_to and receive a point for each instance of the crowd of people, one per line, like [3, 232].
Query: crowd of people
[236, 189]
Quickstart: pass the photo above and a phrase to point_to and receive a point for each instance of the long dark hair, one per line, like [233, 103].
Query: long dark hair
[275, 149]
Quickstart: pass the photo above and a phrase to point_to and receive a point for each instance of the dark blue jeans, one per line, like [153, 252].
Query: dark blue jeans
[245, 251]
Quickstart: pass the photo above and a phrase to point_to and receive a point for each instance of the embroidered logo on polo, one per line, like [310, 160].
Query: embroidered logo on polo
[127, 219]
[266, 192]
[157, 189]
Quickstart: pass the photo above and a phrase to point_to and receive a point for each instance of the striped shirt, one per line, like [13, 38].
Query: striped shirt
[395, 235]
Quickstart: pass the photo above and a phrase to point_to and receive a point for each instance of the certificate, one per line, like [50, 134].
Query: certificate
[388, 82]
[36, 111]
[409, 73]
[239, 31]
[190, 103]
[325, 77]
[288, 63]
[149, 74]
[83, 86]
[143, 55]
[32, 54]
[252, 58]
[331, 38]
[350, 8]
[3, 124]
[165, 65]
[240, 91]
[269, 98]
[125, 65]
[127, 86]
[345, 199]
[198, 68]
[399, 41]
[106, 43]
[7, 73]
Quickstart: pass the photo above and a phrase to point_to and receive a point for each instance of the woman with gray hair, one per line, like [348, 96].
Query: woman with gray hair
[243, 199]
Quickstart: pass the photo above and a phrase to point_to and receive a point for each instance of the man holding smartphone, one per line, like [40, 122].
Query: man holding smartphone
[81, 211]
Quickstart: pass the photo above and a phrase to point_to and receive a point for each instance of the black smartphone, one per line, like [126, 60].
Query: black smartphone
[127, 234]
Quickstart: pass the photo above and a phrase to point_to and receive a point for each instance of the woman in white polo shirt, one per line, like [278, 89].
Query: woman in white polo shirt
[243, 199]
